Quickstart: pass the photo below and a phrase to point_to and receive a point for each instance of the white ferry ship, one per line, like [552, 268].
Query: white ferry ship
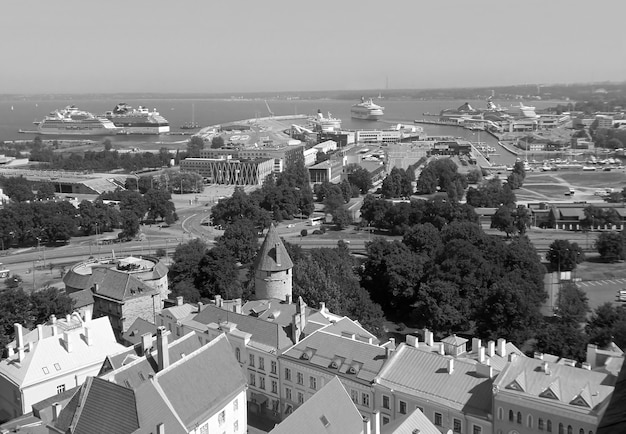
[326, 124]
[137, 120]
[72, 121]
[367, 110]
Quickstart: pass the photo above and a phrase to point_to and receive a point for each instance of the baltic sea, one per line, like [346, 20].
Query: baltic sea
[16, 114]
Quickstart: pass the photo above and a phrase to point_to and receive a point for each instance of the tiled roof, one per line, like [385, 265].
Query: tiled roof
[330, 410]
[272, 255]
[99, 407]
[421, 373]
[353, 358]
[200, 384]
[180, 312]
[137, 329]
[82, 298]
[48, 357]
[118, 285]
[561, 383]
[131, 368]
[415, 422]
[153, 410]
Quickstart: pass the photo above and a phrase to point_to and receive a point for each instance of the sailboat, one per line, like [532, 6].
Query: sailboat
[193, 124]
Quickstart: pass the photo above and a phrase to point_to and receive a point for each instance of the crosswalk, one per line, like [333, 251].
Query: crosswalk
[592, 283]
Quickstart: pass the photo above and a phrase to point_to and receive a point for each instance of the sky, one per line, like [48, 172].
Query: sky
[238, 46]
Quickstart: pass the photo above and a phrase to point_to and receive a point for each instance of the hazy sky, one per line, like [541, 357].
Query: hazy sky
[78, 46]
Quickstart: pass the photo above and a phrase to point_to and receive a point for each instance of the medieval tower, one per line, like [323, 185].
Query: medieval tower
[273, 269]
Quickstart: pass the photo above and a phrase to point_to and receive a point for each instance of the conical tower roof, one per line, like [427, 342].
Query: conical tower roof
[272, 255]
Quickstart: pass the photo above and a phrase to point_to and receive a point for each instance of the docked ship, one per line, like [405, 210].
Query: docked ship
[137, 120]
[326, 124]
[72, 121]
[367, 110]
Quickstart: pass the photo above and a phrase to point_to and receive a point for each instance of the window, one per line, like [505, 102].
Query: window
[529, 421]
[252, 379]
[252, 360]
[438, 419]
[262, 382]
[549, 426]
[273, 366]
[204, 429]
[235, 405]
[274, 386]
[300, 378]
[519, 417]
[287, 374]
[385, 420]
[313, 383]
[540, 424]
[365, 399]
[61, 388]
[57, 366]
[300, 398]
[262, 363]
[288, 393]
[221, 418]
[45, 370]
[236, 426]
[477, 429]
[511, 416]
[561, 428]
[386, 402]
[500, 413]
[275, 403]
[570, 430]
[402, 407]
[456, 427]
[238, 354]
[581, 431]
[355, 396]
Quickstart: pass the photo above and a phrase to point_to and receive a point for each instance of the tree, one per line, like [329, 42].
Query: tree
[218, 275]
[130, 225]
[606, 325]
[160, 205]
[45, 191]
[14, 308]
[241, 239]
[562, 339]
[186, 258]
[194, 146]
[240, 206]
[564, 256]
[521, 219]
[572, 304]
[360, 177]
[397, 184]
[217, 142]
[134, 202]
[17, 188]
[341, 218]
[611, 246]
[503, 220]
[49, 301]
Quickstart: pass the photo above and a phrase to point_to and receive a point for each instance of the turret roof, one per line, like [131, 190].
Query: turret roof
[272, 255]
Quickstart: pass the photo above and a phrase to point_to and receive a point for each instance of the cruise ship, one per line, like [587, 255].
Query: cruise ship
[72, 121]
[137, 120]
[326, 124]
[367, 110]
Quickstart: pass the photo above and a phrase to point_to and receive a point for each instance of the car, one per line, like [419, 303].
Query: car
[621, 295]
[290, 225]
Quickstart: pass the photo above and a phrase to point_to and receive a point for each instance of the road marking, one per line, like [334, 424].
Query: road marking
[185, 221]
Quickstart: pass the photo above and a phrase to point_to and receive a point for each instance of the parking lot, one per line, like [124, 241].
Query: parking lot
[602, 291]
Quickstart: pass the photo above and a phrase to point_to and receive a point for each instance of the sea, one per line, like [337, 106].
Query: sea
[19, 113]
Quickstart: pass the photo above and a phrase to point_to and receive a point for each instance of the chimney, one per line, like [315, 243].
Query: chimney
[56, 410]
[502, 347]
[545, 368]
[485, 371]
[146, 342]
[367, 427]
[88, 337]
[295, 328]
[237, 307]
[287, 298]
[54, 329]
[67, 340]
[39, 332]
[376, 422]
[218, 301]
[412, 341]
[20, 341]
[538, 356]
[481, 354]
[87, 316]
[450, 366]
[53, 319]
[10, 351]
[440, 349]
[586, 366]
[428, 337]
[301, 310]
[200, 305]
[160, 429]
[491, 348]
[68, 318]
[476, 344]
[163, 348]
[512, 357]
[322, 307]
[179, 300]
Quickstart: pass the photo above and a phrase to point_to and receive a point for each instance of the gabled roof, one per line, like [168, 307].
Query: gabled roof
[138, 328]
[353, 358]
[99, 407]
[421, 373]
[119, 286]
[412, 423]
[48, 357]
[272, 255]
[179, 312]
[81, 298]
[200, 384]
[329, 411]
[553, 382]
[131, 368]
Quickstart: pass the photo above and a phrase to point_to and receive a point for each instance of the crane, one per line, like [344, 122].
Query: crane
[269, 109]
